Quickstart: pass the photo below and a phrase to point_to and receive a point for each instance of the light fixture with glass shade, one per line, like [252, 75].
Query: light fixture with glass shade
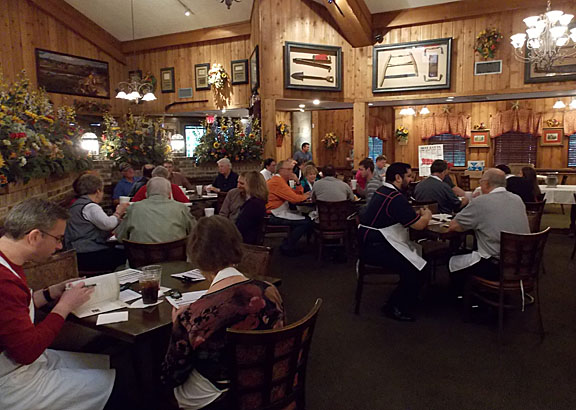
[546, 38]
[135, 89]
[424, 111]
[558, 105]
[573, 104]
[177, 144]
[407, 111]
[89, 142]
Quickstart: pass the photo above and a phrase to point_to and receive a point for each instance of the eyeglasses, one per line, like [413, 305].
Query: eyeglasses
[58, 238]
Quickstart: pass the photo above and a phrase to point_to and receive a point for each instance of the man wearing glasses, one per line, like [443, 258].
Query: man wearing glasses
[31, 375]
[285, 189]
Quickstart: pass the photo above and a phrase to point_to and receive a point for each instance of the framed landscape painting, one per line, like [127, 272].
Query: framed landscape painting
[479, 139]
[312, 67]
[68, 74]
[564, 70]
[167, 80]
[254, 70]
[239, 72]
[201, 71]
[418, 65]
[552, 136]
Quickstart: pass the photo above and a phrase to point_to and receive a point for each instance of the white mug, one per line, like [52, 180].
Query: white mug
[354, 184]
[199, 189]
[124, 199]
[292, 183]
[208, 211]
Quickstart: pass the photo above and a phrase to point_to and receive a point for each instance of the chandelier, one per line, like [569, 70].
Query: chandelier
[135, 89]
[547, 35]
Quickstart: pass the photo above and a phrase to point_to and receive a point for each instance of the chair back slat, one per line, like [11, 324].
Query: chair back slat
[332, 216]
[431, 205]
[521, 255]
[142, 254]
[534, 211]
[60, 267]
[268, 367]
[255, 260]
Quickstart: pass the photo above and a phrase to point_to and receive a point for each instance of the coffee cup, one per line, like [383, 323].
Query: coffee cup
[354, 183]
[199, 189]
[292, 183]
[208, 211]
[124, 199]
[150, 283]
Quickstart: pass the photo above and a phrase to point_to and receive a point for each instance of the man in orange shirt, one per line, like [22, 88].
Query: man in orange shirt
[280, 195]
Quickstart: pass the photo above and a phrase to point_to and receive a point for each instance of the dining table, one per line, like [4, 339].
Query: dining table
[559, 194]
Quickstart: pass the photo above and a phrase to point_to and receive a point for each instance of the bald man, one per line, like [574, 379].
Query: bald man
[158, 218]
[496, 210]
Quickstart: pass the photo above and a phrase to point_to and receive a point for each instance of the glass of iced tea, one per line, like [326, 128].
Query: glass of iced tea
[150, 283]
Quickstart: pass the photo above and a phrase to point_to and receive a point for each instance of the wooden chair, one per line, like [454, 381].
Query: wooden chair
[364, 269]
[540, 198]
[463, 181]
[332, 228]
[60, 267]
[142, 254]
[431, 205]
[411, 188]
[274, 229]
[220, 201]
[520, 263]
[255, 260]
[268, 367]
[534, 211]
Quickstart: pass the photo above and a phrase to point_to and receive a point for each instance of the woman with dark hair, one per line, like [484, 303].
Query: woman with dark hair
[529, 174]
[195, 364]
[253, 211]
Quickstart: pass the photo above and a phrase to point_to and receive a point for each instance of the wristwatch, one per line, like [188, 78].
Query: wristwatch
[46, 293]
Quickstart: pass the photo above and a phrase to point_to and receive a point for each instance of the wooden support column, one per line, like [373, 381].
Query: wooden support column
[315, 140]
[269, 126]
[360, 132]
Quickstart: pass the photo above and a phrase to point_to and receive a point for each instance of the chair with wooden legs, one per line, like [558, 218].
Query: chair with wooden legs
[520, 264]
[333, 227]
[255, 260]
[268, 367]
[142, 254]
[463, 181]
[364, 269]
[534, 211]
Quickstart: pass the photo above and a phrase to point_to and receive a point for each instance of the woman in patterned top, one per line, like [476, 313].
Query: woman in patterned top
[195, 364]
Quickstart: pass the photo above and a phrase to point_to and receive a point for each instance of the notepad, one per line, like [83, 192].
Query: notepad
[128, 275]
[105, 298]
[192, 275]
[115, 317]
[186, 299]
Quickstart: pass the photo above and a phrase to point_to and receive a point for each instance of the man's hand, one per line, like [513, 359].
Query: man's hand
[455, 226]
[121, 208]
[465, 201]
[72, 298]
[57, 290]
[294, 177]
[212, 189]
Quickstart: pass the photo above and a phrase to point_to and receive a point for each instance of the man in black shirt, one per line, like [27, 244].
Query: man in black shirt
[226, 179]
[384, 239]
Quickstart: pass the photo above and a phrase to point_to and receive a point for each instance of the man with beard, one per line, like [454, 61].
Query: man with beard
[384, 239]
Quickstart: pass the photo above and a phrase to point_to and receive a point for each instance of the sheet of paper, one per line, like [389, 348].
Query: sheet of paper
[115, 317]
[106, 289]
[139, 304]
[192, 275]
[186, 299]
[103, 307]
[128, 275]
[162, 290]
[129, 295]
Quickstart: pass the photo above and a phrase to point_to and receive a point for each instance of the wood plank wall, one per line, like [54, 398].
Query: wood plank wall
[23, 28]
[547, 157]
[183, 59]
[284, 151]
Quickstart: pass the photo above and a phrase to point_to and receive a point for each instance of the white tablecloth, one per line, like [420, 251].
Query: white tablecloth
[562, 194]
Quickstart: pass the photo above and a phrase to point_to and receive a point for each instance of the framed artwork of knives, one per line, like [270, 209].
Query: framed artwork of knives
[418, 65]
[312, 67]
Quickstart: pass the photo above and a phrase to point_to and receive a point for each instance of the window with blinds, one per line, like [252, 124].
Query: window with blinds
[374, 147]
[513, 147]
[572, 150]
[454, 148]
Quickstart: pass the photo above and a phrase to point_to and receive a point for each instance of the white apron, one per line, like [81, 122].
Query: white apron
[284, 211]
[398, 236]
[56, 380]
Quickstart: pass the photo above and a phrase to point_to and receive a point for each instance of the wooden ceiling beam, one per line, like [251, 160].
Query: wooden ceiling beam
[188, 37]
[354, 22]
[83, 26]
[453, 11]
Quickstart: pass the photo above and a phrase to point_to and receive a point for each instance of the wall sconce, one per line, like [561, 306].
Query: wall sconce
[424, 111]
[89, 142]
[407, 111]
[573, 104]
[559, 105]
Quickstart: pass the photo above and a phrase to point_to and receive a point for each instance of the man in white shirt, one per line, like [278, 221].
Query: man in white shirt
[269, 168]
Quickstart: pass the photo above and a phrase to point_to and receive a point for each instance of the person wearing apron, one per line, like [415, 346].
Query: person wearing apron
[33, 377]
[384, 239]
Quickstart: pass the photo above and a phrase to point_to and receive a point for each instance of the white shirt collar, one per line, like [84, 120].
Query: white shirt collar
[509, 176]
[499, 189]
[389, 185]
[436, 177]
[226, 273]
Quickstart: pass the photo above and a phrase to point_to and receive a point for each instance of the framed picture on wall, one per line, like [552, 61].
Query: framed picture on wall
[479, 139]
[167, 80]
[201, 72]
[552, 136]
[254, 70]
[239, 72]
[68, 74]
[312, 67]
[418, 65]
[564, 70]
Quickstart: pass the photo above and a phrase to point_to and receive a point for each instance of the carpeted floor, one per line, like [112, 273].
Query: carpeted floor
[368, 361]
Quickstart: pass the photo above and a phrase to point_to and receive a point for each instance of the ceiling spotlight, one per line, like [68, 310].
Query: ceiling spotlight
[187, 13]
[424, 111]
[316, 102]
[302, 106]
[559, 105]
[370, 104]
[449, 98]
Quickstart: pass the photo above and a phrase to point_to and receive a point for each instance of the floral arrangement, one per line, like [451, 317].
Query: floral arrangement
[553, 123]
[486, 42]
[282, 129]
[479, 127]
[36, 139]
[227, 138]
[401, 134]
[330, 141]
[137, 140]
[217, 76]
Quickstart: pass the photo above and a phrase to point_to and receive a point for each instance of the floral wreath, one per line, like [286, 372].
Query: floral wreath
[401, 134]
[479, 127]
[553, 123]
[282, 129]
[217, 76]
[486, 42]
[330, 141]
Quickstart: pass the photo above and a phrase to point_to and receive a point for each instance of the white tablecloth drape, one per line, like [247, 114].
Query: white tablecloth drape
[561, 194]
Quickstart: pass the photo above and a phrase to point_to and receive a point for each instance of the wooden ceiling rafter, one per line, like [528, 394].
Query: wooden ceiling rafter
[83, 26]
[354, 21]
[228, 31]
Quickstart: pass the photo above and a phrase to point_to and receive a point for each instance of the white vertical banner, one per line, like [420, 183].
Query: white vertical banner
[427, 154]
